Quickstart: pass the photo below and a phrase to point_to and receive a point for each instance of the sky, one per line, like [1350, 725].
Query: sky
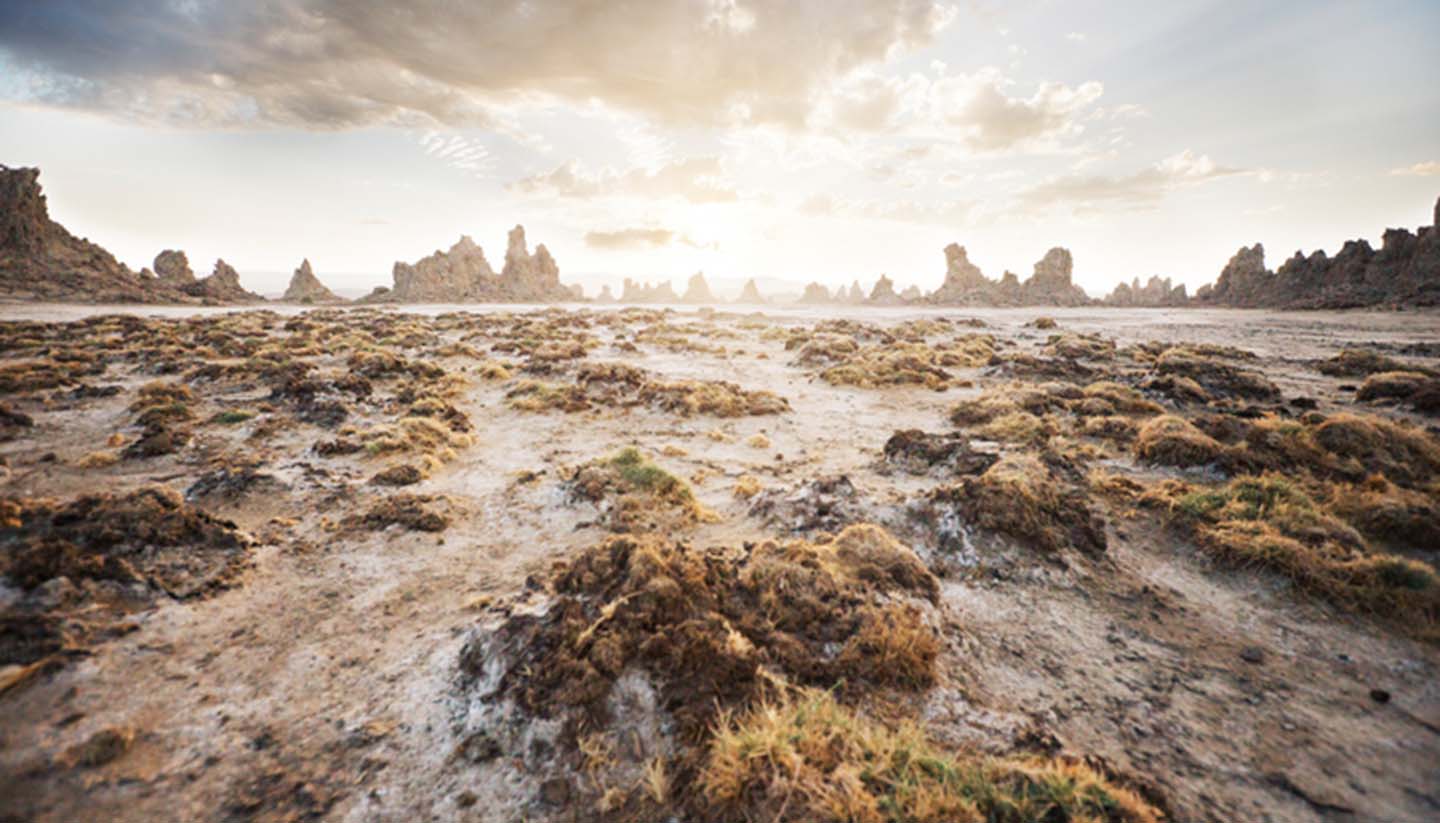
[806, 140]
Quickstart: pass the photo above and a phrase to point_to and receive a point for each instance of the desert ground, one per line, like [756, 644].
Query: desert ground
[525, 563]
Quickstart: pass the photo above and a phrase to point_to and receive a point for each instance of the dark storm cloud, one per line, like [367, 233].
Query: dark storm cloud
[341, 63]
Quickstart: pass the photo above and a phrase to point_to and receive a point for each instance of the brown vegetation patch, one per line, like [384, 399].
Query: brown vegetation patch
[806, 757]
[1270, 522]
[81, 565]
[917, 452]
[1020, 496]
[1172, 441]
[634, 494]
[1215, 375]
[714, 630]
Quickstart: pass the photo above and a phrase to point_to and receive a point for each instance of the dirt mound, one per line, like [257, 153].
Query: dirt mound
[1021, 497]
[81, 565]
[917, 452]
[825, 504]
[710, 631]
[1270, 522]
[1217, 377]
[1172, 441]
[633, 494]
[617, 385]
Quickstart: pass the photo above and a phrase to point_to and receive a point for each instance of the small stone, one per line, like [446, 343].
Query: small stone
[1380, 695]
[1252, 654]
[466, 799]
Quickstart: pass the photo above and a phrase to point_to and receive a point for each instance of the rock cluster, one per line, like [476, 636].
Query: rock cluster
[1155, 293]
[1049, 285]
[816, 293]
[1405, 270]
[750, 295]
[636, 292]
[41, 260]
[697, 291]
[883, 294]
[305, 287]
[463, 275]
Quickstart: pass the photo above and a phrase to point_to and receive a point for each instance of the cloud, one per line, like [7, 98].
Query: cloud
[937, 212]
[977, 110]
[348, 63]
[639, 238]
[695, 179]
[1429, 168]
[1138, 191]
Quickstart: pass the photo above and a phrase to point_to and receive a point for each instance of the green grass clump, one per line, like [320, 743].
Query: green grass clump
[232, 417]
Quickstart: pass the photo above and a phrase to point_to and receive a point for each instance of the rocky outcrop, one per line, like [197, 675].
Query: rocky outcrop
[750, 295]
[40, 260]
[964, 284]
[636, 292]
[911, 293]
[697, 291]
[305, 287]
[856, 295]
[463, 275]
[1404, 271]
[883, 294]
[1156, 293]
[172, 268]
[605, 296]
[1049, 285]
[222, 286]
[531, 278]
[816, 294]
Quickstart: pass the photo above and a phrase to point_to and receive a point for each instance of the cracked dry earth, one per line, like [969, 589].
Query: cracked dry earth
[321, 678]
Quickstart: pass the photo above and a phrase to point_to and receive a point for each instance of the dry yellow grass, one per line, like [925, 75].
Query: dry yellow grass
[807, 758]
[1173, 441]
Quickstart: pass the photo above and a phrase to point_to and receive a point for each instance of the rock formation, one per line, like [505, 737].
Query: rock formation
[1404, 271]
[910, 293]
[172, 268]
[40, 260]
[222, 286]
[883, 294]
[697, 291]
[635, 292]
[1155, 293]
[750, 295]
[966, 285]
[305, 287]
[531, 278]
[856, 295]
[605, 296]
[816, 294]
[464, 275]
[1050, 284]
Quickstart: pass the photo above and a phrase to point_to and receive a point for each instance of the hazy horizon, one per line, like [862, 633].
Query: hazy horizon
[797, 142]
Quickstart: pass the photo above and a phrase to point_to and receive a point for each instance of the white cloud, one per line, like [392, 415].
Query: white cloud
[1429, 168]
[1139, 190]
[978, 109]
[640, 238]
[695, 179]
[1075, 36]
